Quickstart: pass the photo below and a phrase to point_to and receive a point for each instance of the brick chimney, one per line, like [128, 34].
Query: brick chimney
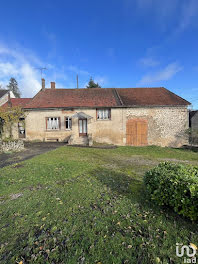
[53, 85]
[43, 84]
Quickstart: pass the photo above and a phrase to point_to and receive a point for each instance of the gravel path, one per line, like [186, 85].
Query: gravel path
[31, 150]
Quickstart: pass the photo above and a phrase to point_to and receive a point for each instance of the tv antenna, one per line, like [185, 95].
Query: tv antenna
[41, 70]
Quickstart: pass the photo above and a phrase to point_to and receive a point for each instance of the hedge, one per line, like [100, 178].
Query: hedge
[176, 186]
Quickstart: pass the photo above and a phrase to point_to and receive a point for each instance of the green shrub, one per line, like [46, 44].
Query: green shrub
[8, 139]
[174, 185]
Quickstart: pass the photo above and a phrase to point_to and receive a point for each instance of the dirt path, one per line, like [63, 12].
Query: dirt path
[31, 150]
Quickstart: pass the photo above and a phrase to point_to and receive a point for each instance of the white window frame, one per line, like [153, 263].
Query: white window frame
[53, 123]
[69, 122]
[103, 114]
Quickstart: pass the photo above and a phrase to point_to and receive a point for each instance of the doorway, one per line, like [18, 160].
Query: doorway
[137, 132]
[82, 127]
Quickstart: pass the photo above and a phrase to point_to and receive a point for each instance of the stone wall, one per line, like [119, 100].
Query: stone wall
[103, 131]
[166, 125]
[16, 145]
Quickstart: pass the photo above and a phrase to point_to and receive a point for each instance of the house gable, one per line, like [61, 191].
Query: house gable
[5, 95]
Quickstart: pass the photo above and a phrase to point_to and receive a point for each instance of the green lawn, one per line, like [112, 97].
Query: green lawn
[83, 205]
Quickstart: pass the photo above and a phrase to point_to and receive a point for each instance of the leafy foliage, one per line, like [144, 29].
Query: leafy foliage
[8, 117]
[192, 135]
[174, 185]
[13, 86]
[1, 127]
[92, 84]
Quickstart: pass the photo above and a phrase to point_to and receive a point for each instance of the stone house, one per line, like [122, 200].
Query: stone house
[5, 95]
[120, 116]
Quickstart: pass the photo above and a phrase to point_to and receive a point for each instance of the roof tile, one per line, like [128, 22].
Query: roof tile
[105, 97]
[14, 102]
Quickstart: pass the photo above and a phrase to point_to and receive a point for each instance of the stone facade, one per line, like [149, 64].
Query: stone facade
[108, 131]
[166, 125]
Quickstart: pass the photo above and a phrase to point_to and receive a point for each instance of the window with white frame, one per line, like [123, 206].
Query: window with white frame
[53, 123]
[103, 114]
[68, 123]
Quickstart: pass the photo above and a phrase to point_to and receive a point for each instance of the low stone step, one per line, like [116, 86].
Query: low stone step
[80, 141]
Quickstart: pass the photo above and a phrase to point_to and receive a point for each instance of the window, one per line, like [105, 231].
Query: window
[103, 114]
[53, 123]
[68, 123]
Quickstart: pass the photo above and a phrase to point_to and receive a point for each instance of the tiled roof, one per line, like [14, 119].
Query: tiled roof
[97, 97]
[3, 92]
[149, 96]
[13, 102]
[104, 97]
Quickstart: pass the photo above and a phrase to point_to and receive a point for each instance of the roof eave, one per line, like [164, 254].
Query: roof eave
[96, 107]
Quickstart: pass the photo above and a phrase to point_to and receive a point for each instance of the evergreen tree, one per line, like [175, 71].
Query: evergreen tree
[13, 86]
[92, 84]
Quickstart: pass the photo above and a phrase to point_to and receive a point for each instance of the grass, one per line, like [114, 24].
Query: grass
[83, 205]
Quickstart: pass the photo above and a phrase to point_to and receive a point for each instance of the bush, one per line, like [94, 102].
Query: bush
[8, 139]
[174, 185]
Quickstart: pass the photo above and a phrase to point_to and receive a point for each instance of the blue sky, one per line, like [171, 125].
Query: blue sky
[120, 43]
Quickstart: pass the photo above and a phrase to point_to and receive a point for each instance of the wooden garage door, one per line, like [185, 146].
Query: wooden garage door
[136, 132]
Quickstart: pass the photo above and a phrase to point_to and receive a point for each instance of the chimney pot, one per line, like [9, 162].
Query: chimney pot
[43, 83]
[53, 86]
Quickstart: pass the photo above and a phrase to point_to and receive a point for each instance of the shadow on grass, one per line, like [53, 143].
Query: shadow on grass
[134, 189]
[191, 148]
[120, 183]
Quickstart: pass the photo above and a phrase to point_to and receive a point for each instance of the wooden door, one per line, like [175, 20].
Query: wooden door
[137, 132]
[82, 127]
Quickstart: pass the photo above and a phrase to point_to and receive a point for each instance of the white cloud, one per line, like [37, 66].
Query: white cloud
[21, 66]
[189, 13]
[7, 69]
[77, 70]
[29, 79]
[180, 13]
[149, 62]
[165, 74]
[102, 81]
[163, 11]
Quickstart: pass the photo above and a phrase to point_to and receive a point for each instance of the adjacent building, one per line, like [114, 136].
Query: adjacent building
[194, 127]
[5, 95]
